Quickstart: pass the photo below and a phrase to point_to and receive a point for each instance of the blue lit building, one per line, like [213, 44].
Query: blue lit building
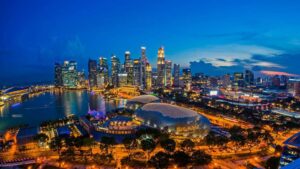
[291, 150]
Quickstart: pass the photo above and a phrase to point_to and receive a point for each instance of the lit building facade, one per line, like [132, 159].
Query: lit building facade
[103, 69]
[187, 78]
[69, 74]
[128, 66]
[249, 77]
[161, 69]
[92, 68]
[176, 75]
[137, 72]
[115, 70]
[148, 74]
[168, 65]
[58, 75]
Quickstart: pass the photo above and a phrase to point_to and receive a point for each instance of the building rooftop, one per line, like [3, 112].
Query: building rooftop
[27, 132]
[294, 140]
[144, 99]
[169, 110]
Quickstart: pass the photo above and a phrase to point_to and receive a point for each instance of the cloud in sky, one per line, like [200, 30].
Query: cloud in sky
[220, 59]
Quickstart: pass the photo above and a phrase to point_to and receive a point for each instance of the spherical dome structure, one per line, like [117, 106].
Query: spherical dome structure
[143, 99]
[177, 120]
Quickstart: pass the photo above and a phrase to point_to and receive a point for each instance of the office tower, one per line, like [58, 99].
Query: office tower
[238, 79]
[249, 77]
[187, 78]
[226, 80]
[176, 75]
[92, 68]
[275, 80]
[115, 70]
[103, 69]
[137, 72]
[81, 79]
[148, 76]
[168, 73]
[294, 87]
[128, 66]
[122, 79]
[144, 62]
[58, 75]
[69, 74]
[161, 70]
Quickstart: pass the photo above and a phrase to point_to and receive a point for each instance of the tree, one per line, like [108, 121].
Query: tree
[169, 145]
[56, 144]
[199, 157]
[187, 145]
[160, 160]
[272, 163]
[148, 145]
[181, 158]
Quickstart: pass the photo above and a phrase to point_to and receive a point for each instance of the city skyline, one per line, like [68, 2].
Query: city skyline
[215, 37]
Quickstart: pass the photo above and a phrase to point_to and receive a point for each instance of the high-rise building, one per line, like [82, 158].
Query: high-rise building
[115, 70]
[294, 87]
[103, 69]
[137, 72]
[238, 79]
[161, 70]
[92, 68]
[249, 77]
[122, 79]
[275, 81]
[168, 66]
[187, 78]
[144, 62]
[128, 66]
[81, 80]
[69, 74]
[226, 80]
[148, 76]
[176, 75]
[58, 75]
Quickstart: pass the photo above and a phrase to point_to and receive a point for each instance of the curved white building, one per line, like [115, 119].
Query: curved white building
[176, 120]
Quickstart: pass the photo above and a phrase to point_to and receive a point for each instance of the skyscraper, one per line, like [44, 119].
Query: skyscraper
[137, 72]
[161, 70]
[148, 76]
[238, 79]
[103, 69]
[115, 70]
[187, 78]
[144, 62]
[176, 75]
[128, 65]
[168, 70]
[249, 77]
[58, 75]
[92, 68]
[69, 74]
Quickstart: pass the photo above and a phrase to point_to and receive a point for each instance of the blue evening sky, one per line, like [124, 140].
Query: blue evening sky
[212, 36]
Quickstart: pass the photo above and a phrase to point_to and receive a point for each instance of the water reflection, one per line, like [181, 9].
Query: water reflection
[55, 105]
